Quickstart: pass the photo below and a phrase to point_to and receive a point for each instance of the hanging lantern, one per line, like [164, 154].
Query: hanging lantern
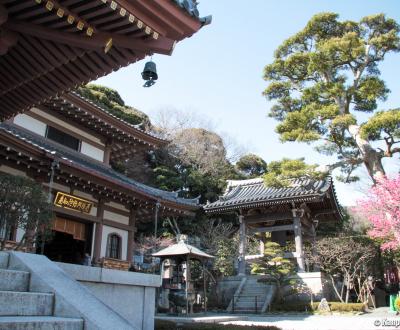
[149, 74]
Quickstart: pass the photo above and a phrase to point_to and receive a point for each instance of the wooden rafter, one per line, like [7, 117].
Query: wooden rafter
[97, 42]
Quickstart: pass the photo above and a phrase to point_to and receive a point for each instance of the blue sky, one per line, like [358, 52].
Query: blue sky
[217, 73]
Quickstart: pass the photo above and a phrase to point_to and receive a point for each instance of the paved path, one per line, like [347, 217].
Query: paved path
[371, 321]
[376, 319]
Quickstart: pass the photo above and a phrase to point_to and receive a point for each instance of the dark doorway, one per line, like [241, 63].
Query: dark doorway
[64, 248]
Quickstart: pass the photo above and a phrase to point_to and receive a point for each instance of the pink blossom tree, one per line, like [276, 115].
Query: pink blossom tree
[381, 208]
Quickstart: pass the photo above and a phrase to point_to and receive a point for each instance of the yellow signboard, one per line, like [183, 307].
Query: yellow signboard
[73, 203]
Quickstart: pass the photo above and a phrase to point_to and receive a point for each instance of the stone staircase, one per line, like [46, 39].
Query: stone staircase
[252, 296]
[22, 309]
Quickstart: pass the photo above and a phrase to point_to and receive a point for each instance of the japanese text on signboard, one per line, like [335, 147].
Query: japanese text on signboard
[72, 202]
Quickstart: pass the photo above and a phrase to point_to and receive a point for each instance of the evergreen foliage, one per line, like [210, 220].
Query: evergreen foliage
[110, 100]
[252, 166]
[24, 205]
[281, 173]
[323, 76]
[275, 266]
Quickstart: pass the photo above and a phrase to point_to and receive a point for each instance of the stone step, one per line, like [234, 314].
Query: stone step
[255, 290]
[253, 293]
[26, 303]
[3, 260]
[14, 280]
[246, 299]
[250, 304]
[39, 323]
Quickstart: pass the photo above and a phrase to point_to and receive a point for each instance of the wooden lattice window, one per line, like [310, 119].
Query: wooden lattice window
[114, 246]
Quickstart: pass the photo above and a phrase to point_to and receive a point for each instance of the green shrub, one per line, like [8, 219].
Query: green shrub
[350, 307]
[168, 325]
[110, 100]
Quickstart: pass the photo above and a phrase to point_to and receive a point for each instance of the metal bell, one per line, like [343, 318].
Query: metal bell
[150, 71]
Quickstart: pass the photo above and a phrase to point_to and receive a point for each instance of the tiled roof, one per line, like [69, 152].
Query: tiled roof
[77, 159]
[254, 193]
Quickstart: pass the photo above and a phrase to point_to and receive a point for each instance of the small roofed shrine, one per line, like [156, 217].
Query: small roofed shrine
[49, 47]
[292, 212]
[175, 273]
[67, 145]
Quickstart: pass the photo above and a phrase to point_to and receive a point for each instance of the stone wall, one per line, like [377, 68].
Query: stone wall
[225, 290]
[314, 283]
[132, 295]
[305, 284]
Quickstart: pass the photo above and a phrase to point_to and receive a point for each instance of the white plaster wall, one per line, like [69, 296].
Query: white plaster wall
[91, 151]
[31, 124]
[93, 211]
[109, 215]
[124, 235]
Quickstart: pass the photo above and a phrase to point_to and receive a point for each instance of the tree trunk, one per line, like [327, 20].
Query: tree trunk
[339, 295]
[347, 288]
[372, 158]
[279, 295]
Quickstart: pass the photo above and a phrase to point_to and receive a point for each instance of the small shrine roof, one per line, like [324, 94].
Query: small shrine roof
[253, 193]
[182, 249]
[95, 168]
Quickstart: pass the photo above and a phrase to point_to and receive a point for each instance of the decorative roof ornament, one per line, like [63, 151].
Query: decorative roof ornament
[191, 7]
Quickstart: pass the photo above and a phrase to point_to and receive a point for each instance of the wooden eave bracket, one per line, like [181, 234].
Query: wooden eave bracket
[96, 42]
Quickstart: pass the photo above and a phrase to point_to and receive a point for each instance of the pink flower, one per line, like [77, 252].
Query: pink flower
[381, 208]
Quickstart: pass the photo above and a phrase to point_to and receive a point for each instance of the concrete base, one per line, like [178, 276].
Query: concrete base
[26, 303]
[225, 290]
[40, 323]
[306, 284]
[12, 280]
[3, 260]
[71, 298]
[130, 294]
